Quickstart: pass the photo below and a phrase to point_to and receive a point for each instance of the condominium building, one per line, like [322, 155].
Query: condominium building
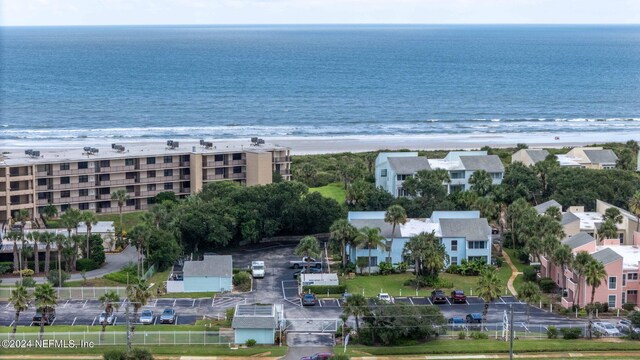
[85, 178]
[580, 157]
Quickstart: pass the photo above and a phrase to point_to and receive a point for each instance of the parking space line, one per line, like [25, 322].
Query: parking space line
[155, 303]
[94, 321]
[74, 321]
[429, 300]
[194, 303]
[53, 322]
[213, 301]
[10, 325]
[448, 302]
[115, 320]
[501, 299]
[155, 320]
[85, 303]
[65, 304]
[466, 301]
[174, 302]
[8, 304]
[338, 302]
[320, 302]
[31, 324]
[176, 322]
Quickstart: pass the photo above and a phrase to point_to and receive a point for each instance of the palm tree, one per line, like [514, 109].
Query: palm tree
[35, 237]
[46, 300]
[489, 289]
[481, 182]
[110, 301]
[60, 240]
[70, 220]
[47, 239]
[22, 216]
[634, 206]
[534, 246]
[138, 294]
[594, 274]
[309, 247]
[139, 236]
[613, 214]
[121, 197]
[14, 236]
[554, 213]
[371, 238]
[608, 230]
[580, 263]
[88, 218]
[563, 257]
[487, 207]
[395, 215]
[357, 307]
[343, 233]
[529, 292]
[20, 298]
[549, 245]
[50, 211]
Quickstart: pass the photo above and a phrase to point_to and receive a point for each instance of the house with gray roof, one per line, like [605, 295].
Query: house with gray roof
[542, 208]
[579, 240]
[213, 273]
[593, 157]
[529, 157]
[258, 322]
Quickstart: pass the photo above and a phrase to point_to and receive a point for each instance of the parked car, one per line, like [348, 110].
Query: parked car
[318, 356]
[305, 262]
[458, 296]
[309, 300]
[168, 316]
[474, 318]
[386, 298]
[146, 317]
[48, 319]
[626, 326]
[345, 297]
[306, 271]
[110, 318]
[438, 296]
[456, 322]
[606, 329]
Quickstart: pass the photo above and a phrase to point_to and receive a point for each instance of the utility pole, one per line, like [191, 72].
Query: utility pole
[511, 332]
[126, 315]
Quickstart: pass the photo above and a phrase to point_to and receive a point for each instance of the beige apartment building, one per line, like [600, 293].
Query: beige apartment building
[85, 179]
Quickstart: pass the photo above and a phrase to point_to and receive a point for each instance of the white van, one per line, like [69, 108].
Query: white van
[257, 269]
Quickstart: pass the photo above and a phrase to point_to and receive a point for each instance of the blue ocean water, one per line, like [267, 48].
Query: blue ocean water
[236, 81]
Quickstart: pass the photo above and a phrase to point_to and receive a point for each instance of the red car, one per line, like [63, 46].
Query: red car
[458, 296]
[319, 356]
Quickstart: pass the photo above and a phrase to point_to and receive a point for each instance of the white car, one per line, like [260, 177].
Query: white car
[626, 326]
[606, 329]
[385, 298]
[110, 319]
[257, 269]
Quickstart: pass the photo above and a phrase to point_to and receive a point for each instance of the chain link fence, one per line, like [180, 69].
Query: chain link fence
[138, 337]
[78, 293]
[521, 330]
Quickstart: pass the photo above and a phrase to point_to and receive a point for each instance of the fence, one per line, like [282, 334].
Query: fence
[139, 337]
[80, 293]
[149, 273]
[522, 330]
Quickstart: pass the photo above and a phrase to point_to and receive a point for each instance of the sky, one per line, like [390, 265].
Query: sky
[146, 12]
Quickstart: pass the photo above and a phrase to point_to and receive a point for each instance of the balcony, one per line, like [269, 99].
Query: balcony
[285, 172]
[21, 191]
[159, 166]
[185, 177]
[116, 182]
[238, 175]
[20, 177]
[103, 196]
[115, 209]
[214, 164]
[282, 159]
[566, 303]
[571, 285]
[215, 177]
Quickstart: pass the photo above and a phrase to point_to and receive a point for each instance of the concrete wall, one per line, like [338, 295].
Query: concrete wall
[259, 168]
[261, 336]
[175, 286]
[207, 283]
[195, 169]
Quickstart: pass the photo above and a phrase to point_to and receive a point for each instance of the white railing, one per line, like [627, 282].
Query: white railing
[84, 293]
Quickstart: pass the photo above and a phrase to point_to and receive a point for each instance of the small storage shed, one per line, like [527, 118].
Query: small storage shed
[213, 273]
[257, 322]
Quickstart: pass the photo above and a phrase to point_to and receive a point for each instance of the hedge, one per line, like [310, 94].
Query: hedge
[324, 289]
[86, 265]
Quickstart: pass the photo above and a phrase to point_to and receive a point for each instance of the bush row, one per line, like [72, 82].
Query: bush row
[324, 289]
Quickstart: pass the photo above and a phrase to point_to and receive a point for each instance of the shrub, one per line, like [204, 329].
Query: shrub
[139, 354]
[5, 267]
[86, 265]
[402, 267]
[350, 268]
[24, 272]
[462, 335]
[242, 281]
[571, 333]
[235, 271]
[115, 355]
[127, 275]
[598, 306]
[251, 343]
[499, 262]
[522, 256]
[629, 306]
[52, 277]
[385, 268]
[339, 357]
[552, 332]
[477, 335]
[547, 285]
[229, 313]
[529, 274]
[26, 282]
[324, 289]
[453, 269]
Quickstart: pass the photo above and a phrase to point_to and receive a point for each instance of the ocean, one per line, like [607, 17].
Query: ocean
[89, 84]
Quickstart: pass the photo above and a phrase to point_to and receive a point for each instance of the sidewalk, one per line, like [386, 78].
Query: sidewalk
[514, 274]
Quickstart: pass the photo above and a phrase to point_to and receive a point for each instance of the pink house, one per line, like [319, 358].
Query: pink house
[621, 262]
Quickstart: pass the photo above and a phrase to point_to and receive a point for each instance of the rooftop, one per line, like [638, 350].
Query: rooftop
[580, 239]
[589, 220]
[470, 229]
[409, 165]
[211, 265]
[607, 254]
[545, 205]
[54, 155]
[630, 255]
[537, 155]
[605, 157]
[414, 227]
[488, 163]
[568, 160]
[254, 317]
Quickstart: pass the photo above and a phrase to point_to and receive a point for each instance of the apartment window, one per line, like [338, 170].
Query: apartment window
[83, 206]
[65, 194]
[64, 207]
[168, 172]
[624, 297]
[128, 162]
[168, 159]
[42, 182]
[130, 175]
[621, 237]
[168, 186]
[237, 156]
[83, 192]
[456, 188]
[105, 191]
[372, 262]
[15, 199]
[612, 301]
[184, 158]
[632, 276]
[83, 178]
[151, 187]
[237, 169]
[383, 173]
[218, 157]
[65, 166]
[632, 292]
[454, 260]
[454, 245]
[130, 189]
[612, 282]
[456, 174]
[151, 201]
[151, 174]
[105, 177]
[64, 180]
[131, 202]
[496, 176]
[624, 279]
[403, 192]
[43, 195]
[477, 244]
[219, 171]
[105, 163]
[83, 165]
[402, 177]
[104, 204]
[151, 160]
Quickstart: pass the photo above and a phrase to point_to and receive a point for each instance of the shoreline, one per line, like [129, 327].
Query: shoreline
[328, 145]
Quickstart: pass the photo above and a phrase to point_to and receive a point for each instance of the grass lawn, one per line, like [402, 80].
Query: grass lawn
[99, 282]
[334, 191]
[514, 259]
[189, 295]
[163, 350]
[129, 219]
[493, 346]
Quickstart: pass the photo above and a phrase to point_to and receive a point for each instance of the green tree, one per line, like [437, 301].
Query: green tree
[46, 300]
[427, 252]
[554, 213]
[308, 247]
[634, 206]
[306, 173]
[20, 299]
[70, 220]
[163, 249]
[121, 197]
[521, 217]
[544, 169]
[530, 293]
[138, 294]
[489, 289]
[47, 238]
[613, 214]
[14, 236]
[520, 181]
[34, 237]
[580, 263]
[356, 306]
[371, 239]
[427, 186]
[50, 211]
[343, 233]
[594, 274]
[395, 215]
[608, 230]
[549, 246]
[481, 182]
[487, 207]
[625, 160]
[109, 301]
[22, 216]
[89, 219]
[60, 241]
[563, 257]
[139, 237]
